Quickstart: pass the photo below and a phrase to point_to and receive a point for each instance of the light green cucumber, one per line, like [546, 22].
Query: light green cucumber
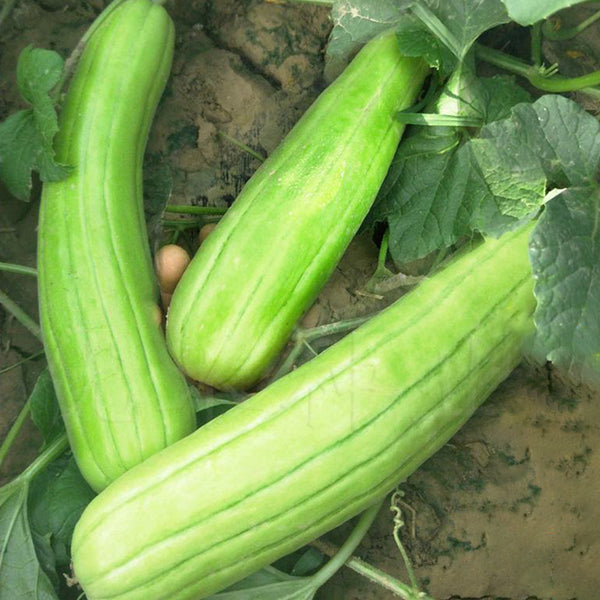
[121, 396]
[266, 261]
[317, 446]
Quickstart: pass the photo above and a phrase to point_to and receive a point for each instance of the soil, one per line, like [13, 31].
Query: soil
[508, 509]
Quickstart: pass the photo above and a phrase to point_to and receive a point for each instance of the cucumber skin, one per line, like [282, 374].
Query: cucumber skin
[121, 396]
[317, 446]
[268, 258]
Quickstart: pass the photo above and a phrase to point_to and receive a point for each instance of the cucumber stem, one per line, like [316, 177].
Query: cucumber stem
[438, 28]
[555, 84]
[317, 2]
[189, 223]
[349, 546]
[242, 146]
[536, 45]
[20, 315]
[21, 269]
[438, 120]
[20, 362]
[14, 430]
[195, 210]
[50, 454]
[568, 32]
[398, 524]
[303, 337]
[372, 573]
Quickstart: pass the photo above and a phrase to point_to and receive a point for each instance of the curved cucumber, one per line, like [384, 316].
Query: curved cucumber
[317, 446]
[121, 396]
[266, 261]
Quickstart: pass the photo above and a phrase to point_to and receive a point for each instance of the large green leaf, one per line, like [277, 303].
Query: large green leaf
[435, 191]
[45, 412]
[26, 136]
[21, 576]
[528, 12]
[565, 250]
[57, 498]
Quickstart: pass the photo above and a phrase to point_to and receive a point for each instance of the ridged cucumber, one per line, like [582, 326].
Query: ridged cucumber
[317, 446]
[121, 396]
[268, 258]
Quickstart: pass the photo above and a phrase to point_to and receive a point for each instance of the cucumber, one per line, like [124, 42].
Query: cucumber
[266, 261]
[121, 396]
[317, 446]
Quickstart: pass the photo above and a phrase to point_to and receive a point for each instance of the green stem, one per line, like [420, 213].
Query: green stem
[6, 10]
[385, 580]
[438, 120]
[398, 524]
[317, 2]
[290, 361]
[350, 545]
[363, 568]
[183, 209]
[189, 223]
[430, 94]
[304, 336]
[20, 362]
[383, 251]
[18, 313]
[21, 269]
[13, 432]
[73, 59]
[331, 328]
[568, 32]
[536, 44]
[50, 454]
[242, 146]
[553, 84]
[438, 28]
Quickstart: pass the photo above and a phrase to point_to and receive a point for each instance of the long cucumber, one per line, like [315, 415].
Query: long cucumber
[121, 396]
[266, 261]
[317, 446]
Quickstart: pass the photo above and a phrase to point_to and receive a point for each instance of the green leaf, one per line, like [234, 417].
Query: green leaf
[46, 557]
[498, 95]
[355, 22]
[459, 23]
[23, 149]
[38, 71]
[57, 498]
[26, 136]
[435, 191]
[531, 11]
[308, 563]
[415, 39]
[45, 412]
[436, 29]
[21, 577]
[565, 251]
[554, 137]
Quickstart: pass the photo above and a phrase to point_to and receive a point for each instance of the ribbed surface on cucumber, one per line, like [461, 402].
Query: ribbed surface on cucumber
[121, 396]
[317, 446]
[270, 255]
